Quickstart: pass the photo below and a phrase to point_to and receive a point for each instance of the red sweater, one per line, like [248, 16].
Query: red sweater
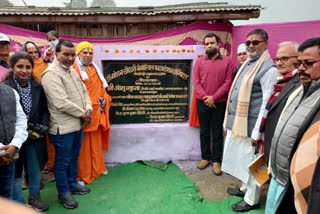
[213, 77]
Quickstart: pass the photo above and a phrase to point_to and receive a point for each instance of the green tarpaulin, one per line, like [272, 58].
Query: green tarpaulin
[138, 188]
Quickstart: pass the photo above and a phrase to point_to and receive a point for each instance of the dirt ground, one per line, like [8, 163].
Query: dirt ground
[212, 187]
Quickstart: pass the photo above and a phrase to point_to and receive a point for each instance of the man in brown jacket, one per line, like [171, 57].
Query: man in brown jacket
[70, 109]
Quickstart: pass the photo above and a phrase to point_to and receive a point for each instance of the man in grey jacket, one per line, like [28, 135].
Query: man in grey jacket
[249, 94]
[70, 108]
[299, 112]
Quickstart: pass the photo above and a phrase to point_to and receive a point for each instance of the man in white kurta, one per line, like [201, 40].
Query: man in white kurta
[248, 96]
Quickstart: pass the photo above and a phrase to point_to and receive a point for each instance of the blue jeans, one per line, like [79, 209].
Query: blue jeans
[6, 180]
[17, 191]
[67, 149]
[32, 167]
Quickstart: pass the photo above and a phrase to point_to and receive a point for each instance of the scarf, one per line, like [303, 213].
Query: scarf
[25, 97]
[84, 75]
[240, 124]
[281, 82]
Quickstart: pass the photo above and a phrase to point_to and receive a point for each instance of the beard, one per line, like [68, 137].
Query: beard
[212, 52]
[252, 53]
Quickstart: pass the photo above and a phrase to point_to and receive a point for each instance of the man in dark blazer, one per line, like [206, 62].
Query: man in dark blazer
[286, 61]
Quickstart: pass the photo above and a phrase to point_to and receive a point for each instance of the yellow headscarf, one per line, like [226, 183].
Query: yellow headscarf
[83, 45]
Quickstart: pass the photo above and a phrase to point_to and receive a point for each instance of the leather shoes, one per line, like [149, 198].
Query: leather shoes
[236, 192]
[216, 168]
[203, 164]
[242, 206]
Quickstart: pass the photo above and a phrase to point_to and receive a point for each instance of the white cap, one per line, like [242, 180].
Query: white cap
[4, 38]
[241, 48]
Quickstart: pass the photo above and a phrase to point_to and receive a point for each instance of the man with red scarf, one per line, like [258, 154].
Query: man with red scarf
[287, 82]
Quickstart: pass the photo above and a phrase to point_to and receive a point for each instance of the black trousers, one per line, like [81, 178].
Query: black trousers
[211, 122]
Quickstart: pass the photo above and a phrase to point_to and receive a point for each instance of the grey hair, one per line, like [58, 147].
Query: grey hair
[295, 45]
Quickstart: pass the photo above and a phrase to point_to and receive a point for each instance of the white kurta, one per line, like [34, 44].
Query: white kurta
[238, 152]
[237, 155]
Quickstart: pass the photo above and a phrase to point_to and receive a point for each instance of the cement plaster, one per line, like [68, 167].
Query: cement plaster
[160, 142]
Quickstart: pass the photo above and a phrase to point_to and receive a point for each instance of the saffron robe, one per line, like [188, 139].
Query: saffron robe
[97, 134]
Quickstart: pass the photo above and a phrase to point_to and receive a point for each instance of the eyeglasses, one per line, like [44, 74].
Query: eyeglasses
[306, 64]
[283, 58]
[254, 42]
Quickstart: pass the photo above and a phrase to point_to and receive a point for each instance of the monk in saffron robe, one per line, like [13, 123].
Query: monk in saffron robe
[97, 134]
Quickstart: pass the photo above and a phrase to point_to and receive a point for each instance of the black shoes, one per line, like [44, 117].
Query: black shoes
[236, 192]
[35, 202]
[242, 206]
[68, 201]
[80, 190]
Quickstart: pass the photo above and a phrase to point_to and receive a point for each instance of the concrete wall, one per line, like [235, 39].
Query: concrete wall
[151, 141]
[162, 142]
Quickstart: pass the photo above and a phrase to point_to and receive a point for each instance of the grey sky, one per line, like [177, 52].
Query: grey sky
[275, 10]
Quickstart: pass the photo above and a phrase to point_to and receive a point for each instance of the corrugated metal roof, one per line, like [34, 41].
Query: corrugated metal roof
[146, 11]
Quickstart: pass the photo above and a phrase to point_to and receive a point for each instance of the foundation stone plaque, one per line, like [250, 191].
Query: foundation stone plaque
[148, 91]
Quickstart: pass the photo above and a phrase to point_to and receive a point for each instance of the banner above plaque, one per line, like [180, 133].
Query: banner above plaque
[148, 91]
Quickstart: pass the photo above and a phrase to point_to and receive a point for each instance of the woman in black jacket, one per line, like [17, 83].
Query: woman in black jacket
[34, 104]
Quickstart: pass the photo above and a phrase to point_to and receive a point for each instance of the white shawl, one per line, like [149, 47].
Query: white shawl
[84, 75]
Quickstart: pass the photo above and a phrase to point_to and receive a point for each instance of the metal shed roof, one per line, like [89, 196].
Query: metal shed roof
[129, 15]
[146, 11]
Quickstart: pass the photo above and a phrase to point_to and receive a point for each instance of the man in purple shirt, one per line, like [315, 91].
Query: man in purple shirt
[212, 79]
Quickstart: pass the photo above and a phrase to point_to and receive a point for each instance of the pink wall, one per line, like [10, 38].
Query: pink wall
[278, 32]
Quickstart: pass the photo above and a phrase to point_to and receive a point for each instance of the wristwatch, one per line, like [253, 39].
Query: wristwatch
[90, 111]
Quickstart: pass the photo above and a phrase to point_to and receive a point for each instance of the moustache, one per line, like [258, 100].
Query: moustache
[251, 49]
[302, 73]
